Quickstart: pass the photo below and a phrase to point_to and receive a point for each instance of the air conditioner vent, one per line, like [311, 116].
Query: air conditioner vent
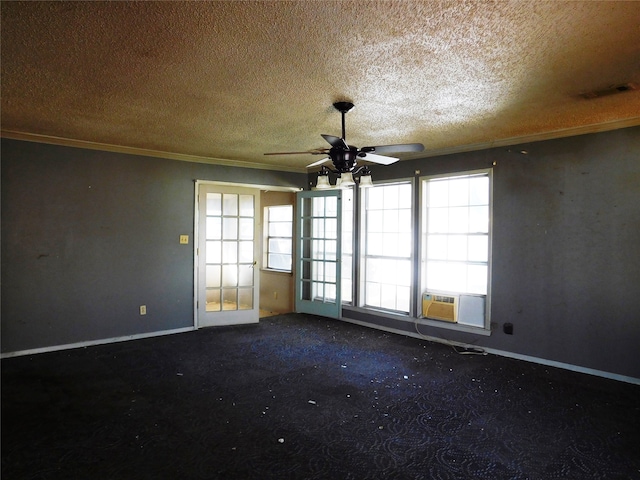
[440, 307]
[613, 89]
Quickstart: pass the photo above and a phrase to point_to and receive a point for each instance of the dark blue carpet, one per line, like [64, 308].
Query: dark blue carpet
[302, 397]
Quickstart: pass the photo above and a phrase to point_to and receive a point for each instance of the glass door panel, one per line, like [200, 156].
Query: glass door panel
[227, 286]
[318, 273]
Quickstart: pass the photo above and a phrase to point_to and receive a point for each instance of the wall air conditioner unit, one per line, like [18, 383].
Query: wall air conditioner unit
[440, 307]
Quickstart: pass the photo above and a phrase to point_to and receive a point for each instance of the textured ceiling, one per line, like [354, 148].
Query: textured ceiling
[230, 80]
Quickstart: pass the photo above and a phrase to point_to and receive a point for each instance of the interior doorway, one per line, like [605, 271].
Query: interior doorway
[231, 282]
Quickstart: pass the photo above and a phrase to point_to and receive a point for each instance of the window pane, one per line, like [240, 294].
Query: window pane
[458, 192]
[405, 196]
[374, 198]
[213, 300]
[331, 228]
[479, 219]
[245, 252]
[214, 252]
[245, 278]
[331, 250]
[457, 247]
[280, 261]
[230, 299]
[230, 228]
[214, 228]
[372, 294]
[214, 204]
[246, 228]
[391, 197]
[374, 244]
[479, 190]
[212, 274]
[230, 252]
[281, 213]
[455, 233]
[477, 282]
[404, 220]
[280, 229]
[438, 195]
[318, 207]
[478, 248]
[279, 241]
[229, 275]
[388, 246]
[245, 298]
[279, 245]
[459, 220]
[438, 220]
[403, 247]
[331, 207]
[230, 204]
[437, 247]
[246, 206]
[390, 221]
[374, 221]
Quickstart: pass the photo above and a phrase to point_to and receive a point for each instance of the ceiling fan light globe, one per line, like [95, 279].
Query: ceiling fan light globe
[365, 181]
[323, 182]
[346, 179]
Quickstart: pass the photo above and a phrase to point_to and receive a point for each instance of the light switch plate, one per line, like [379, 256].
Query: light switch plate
[184, 239]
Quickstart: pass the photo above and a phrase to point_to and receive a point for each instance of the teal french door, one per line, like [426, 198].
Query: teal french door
[318, 253]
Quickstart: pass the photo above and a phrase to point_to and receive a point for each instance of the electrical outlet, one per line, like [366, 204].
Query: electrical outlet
[184, 239]
[143, 309]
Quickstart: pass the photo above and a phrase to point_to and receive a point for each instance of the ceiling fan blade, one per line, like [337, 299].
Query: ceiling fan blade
[400, 147]
[336, 142]
[382, 160]
[317, 151]
[319, 162]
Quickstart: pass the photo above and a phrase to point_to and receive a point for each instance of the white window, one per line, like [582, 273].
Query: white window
[386, 260]
[456, 239]
[279, 237]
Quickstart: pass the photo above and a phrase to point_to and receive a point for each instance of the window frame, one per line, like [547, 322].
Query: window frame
[361, 256]
[422, 217]
[267, 237]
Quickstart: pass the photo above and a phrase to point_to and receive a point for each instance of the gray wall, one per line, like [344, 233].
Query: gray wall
[89, 236]
[566, 249]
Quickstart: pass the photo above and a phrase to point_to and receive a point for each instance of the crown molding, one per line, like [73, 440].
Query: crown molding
[503, 142]
[107, 147]
[538, 137]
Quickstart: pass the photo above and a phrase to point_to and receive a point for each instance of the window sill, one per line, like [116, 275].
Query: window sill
[280, 272]
[420, 321]
[453, 326]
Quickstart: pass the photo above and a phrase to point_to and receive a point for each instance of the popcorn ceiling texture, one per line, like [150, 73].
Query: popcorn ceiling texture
[232, 80]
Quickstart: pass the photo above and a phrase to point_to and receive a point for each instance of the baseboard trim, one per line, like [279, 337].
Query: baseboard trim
[92, 343]
[503, 353]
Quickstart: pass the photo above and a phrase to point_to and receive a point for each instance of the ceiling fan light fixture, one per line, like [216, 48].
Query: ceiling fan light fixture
[323, 182]
[365, 180]
[323, 179]
[346, 179]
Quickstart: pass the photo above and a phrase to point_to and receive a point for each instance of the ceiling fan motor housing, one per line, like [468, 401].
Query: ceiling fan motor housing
[344, 160]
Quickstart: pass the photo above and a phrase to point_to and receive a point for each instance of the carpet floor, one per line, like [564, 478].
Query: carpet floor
[304, 397]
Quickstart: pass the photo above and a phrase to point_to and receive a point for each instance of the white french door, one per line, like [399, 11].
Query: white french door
[318, 254]
[227, 251]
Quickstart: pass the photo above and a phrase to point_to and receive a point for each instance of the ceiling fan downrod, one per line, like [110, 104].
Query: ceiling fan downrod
[343, 107]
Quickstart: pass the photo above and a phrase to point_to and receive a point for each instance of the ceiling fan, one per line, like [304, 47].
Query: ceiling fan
[344, 157]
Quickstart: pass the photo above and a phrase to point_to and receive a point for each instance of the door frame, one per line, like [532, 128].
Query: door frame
[196, 230]
[313, 305]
